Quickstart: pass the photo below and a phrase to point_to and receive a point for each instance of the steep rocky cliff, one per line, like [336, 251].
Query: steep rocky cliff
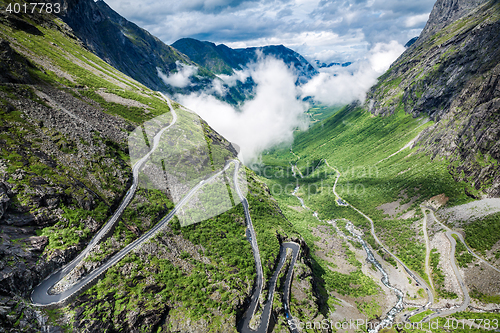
[451, 74]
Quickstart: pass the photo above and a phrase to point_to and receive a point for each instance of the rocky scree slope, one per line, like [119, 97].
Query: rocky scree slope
[451, 74]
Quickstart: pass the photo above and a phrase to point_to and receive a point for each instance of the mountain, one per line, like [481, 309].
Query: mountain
[217, 59]
[137, 53]
[221, 59]
[323, 65]
[410, 177]
[450, 74]
[127, 47]
[365, 217]
[411, 41]
[69, 125]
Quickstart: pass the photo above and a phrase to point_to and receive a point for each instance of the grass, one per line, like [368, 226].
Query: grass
[438, 277]
[411, 251]
[71, 230]
[212, 289]
[135, 115]
[318, 113]
[69, 192]
[495, 299]
[359, 145]
[228, 273]
[370, 309]
[87, 70]
[268, 221]
[355, 283]
[464, 258]
[482, 234]
[418, 317]
[145, 210]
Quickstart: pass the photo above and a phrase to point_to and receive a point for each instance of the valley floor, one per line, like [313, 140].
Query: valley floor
[397, 189]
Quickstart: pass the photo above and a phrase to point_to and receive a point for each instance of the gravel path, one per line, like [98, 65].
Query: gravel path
[470, 211]
[427, 250]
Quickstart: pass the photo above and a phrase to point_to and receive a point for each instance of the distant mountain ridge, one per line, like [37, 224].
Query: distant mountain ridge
[137, 53]
[124, 45]
[221, 59]
[332, 64]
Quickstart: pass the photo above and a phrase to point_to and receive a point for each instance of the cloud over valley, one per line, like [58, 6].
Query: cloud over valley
[278, 105]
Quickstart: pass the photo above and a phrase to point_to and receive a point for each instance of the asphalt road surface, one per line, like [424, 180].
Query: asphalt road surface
[40, 295]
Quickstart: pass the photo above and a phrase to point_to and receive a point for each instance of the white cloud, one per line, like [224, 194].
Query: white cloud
[415, 20]
[276, 109]
[383, 55]
[316, 45]
[181, 78]
[336, 86]
[310, 27]
[218, 87]
[262, 122]
[231, 80]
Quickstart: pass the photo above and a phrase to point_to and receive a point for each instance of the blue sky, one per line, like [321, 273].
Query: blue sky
[327, 30]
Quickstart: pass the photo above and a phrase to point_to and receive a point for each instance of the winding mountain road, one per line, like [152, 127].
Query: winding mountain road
[416, 277]
[40, 295]
[244, 323]
[265, 317]
[288, 283]
[431, 212]
[466, 301]
[427, 249]
[429, 290]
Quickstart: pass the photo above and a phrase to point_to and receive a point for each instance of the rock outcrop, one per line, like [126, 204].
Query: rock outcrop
[4, 199]
[451, 74]
[449, 11]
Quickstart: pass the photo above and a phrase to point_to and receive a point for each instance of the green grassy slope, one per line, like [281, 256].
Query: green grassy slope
[360, 146]
[450, 75]
[67, 179]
